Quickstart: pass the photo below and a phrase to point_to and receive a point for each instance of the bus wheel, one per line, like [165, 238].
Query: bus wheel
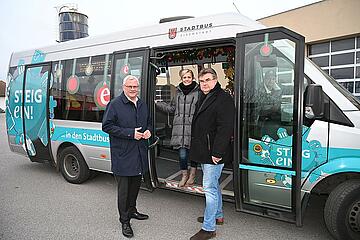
[73, 166]
[342, 211]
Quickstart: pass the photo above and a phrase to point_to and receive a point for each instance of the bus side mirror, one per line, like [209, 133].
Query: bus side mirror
[314, 102]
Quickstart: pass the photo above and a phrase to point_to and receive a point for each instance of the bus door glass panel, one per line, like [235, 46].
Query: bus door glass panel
[35, 113]
[135, 63]
[127, 63]
[268, 108]
[270, 69]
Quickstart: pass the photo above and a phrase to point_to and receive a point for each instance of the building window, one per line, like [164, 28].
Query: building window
[341, 60]
[342, 73]
[348, 85]
[321, 61]
[345, 44]
[319, 48]
[357, 87]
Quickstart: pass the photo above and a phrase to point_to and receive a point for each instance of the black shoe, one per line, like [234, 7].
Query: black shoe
[127, 230]
[139, 216]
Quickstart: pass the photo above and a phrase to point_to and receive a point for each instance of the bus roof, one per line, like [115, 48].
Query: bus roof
[205, 28]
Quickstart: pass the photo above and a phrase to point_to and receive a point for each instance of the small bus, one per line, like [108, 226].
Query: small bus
[307, 142]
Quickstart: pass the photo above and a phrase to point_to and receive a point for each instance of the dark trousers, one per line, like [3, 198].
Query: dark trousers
[128, 189]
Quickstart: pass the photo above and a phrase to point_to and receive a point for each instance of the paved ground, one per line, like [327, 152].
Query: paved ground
[37, 203]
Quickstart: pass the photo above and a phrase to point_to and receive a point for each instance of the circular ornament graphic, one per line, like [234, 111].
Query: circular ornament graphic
[102, 95]
[72, 84]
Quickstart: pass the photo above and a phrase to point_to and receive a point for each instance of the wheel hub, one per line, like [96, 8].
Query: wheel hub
[71, 166]
[354, 217]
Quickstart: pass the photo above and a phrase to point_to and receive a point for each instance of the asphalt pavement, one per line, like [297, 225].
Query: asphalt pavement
[37, 203]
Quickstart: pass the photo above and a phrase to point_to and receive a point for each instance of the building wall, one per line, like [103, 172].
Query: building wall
[328, 19]
[332, 34]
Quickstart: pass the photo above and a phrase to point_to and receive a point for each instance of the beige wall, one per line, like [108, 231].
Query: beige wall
[327, 19]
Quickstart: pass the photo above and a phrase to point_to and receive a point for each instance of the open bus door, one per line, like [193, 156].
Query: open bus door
[270, 70]
[35, 112]
[135, 62]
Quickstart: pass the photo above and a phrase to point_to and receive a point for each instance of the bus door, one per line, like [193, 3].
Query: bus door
[270, 69]
[134, 62]
[35, 112]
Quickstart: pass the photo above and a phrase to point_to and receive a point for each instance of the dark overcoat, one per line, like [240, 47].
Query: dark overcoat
[213, 127]
[128, 156]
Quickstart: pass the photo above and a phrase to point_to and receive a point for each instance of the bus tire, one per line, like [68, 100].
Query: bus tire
[342, 211]
[73, 166]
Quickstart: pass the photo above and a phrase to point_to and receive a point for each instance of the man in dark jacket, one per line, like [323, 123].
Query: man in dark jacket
[212, 131]
[269, 105]
[128, 124]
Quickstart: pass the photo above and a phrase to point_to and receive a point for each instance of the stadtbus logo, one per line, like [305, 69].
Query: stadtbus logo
[172, 33]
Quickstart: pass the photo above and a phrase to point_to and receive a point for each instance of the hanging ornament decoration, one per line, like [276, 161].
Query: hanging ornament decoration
[266, 49]
[89, 68]
[205, 54]
[102, 95]
[58, 73]
[125, 69]
[194, 55]
[72, 84]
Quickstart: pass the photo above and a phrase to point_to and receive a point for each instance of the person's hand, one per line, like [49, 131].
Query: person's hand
[215, 159]
[138, 135]
[147, 134]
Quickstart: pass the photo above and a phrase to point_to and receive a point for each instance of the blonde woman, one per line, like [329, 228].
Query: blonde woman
[183, 105]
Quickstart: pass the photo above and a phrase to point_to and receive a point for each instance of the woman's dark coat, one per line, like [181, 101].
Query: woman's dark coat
[129, 156]
[213, 127]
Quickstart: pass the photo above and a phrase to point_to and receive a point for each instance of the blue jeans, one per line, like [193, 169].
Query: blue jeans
[183, 159]
[213, 206]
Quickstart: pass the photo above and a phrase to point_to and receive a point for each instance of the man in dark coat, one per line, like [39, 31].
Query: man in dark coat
[128, 124]
[269, 105]
[212, 131]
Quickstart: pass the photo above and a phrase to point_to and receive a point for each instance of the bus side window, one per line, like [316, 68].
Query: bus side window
[93, 87]
[127, 64]
[55, 91]
[72, 100]
[81, 88]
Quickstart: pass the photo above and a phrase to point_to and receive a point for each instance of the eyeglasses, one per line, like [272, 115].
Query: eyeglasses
[132, 87]
[206, 80]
